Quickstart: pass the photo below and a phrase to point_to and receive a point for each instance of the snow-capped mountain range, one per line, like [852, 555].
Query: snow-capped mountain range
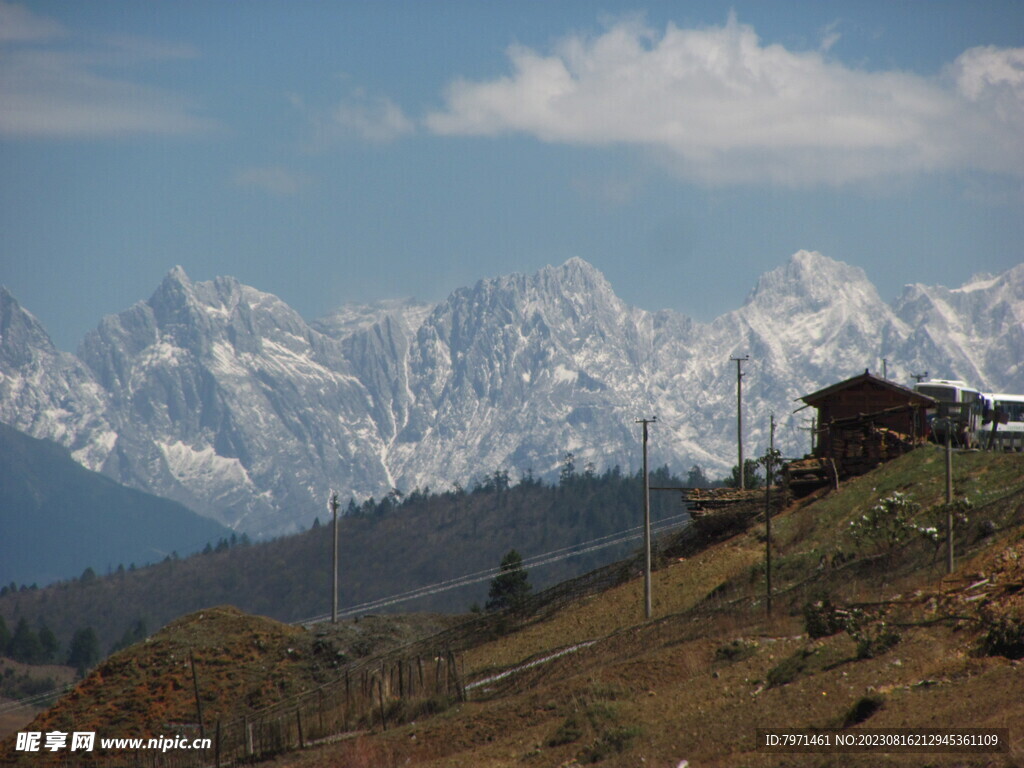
[222, 397]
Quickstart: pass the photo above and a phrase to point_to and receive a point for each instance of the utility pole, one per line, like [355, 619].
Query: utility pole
[919, 376]
[333, 504]
[768, 514]
[885, 368]
[812, 430]
[949, 496]
[195, 690]
[739, 415]
[647, 523]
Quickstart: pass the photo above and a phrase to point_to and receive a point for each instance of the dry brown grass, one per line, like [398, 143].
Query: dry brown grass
[693, 683]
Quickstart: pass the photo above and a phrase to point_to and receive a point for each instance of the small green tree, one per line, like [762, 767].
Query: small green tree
[49, 644]
[84, 650]
[25, 646]
[696, 478]
[510, 588]
[5, 636]
[751, 478]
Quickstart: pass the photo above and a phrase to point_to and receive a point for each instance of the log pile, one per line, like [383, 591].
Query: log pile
[804, 476]
[702, 501]
[860, 448]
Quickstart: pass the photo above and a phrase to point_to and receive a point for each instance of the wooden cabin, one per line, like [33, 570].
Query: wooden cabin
[866, 420]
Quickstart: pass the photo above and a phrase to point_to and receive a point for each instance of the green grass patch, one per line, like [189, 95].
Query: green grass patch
[737, 650]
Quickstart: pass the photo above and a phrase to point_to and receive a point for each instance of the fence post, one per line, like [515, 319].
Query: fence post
[380, 696]
[348, 699]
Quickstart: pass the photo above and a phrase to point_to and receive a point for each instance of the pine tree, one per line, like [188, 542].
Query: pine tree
[84, 650]
[5, 636]
[696, 478]
[25, 646]
[48, 643]
[510, 588]
[568, 471]
[751, 478]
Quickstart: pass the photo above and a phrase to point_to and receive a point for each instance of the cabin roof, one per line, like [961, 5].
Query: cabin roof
[913, 397]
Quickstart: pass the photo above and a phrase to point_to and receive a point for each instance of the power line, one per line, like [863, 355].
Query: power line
[535, 561]
[11, 706]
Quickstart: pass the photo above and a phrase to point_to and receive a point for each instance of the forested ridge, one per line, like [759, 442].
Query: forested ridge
[386, 547]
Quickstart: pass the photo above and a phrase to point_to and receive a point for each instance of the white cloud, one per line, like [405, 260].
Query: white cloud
[722, 107]
[63, 92]
[829, 37]
[18, 24]
[376, 119]
[274, 179]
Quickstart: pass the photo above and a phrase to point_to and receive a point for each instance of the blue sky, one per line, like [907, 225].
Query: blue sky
[351, 151]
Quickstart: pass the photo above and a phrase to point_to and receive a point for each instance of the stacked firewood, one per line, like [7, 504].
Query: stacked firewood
[861, 449]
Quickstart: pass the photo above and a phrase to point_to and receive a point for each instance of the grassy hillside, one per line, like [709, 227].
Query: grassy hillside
[694, 683]
[867, 631]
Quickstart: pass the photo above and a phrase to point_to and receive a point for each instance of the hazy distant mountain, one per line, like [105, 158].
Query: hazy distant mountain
[222, 397]
[60, 518]
[48, 393]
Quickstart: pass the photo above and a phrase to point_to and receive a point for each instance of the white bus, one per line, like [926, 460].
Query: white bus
[959, 413]
[1002, 421]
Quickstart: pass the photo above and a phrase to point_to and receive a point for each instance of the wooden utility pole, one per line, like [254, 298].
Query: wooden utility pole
[739, 415]
[647, 523]
[768, 514]
[195, 690]
[333, 503]
[949, 496]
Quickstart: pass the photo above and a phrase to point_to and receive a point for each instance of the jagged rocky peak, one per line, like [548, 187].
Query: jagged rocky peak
[355, 316]
[814, 281]
[576, 278]
[221, 396]
[47, 393]
[22, 336]
[981, 295]
[192, 314]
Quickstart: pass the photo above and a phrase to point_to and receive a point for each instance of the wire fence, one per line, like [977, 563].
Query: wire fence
[420, 678]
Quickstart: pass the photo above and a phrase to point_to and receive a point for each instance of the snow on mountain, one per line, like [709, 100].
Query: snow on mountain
[518, 370]
[220, 396]
[227, 401]
[48, 393]
[350, 318]
[977, 329]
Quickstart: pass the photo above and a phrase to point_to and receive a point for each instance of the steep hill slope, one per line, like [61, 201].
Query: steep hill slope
[60, 518]
[591, 682]
[927, 651]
